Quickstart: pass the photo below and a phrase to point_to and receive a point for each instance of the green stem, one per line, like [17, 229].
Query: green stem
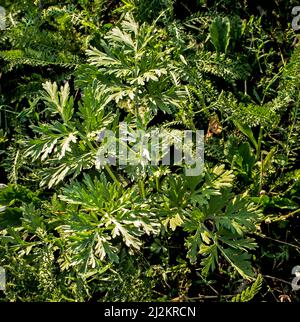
[157, 184]
[111, 174]
[261, 175]
[260, 137]
[259, 156]
[142, 188]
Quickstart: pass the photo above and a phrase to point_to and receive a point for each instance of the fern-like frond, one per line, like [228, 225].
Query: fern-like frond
[250, 292]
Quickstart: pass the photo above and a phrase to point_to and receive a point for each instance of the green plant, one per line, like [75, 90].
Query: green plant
[220, 34]
[249, 293]
[136, 70]
[73, 73]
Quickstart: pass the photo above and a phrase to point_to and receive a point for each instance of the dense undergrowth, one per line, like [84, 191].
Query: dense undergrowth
[72, 230]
